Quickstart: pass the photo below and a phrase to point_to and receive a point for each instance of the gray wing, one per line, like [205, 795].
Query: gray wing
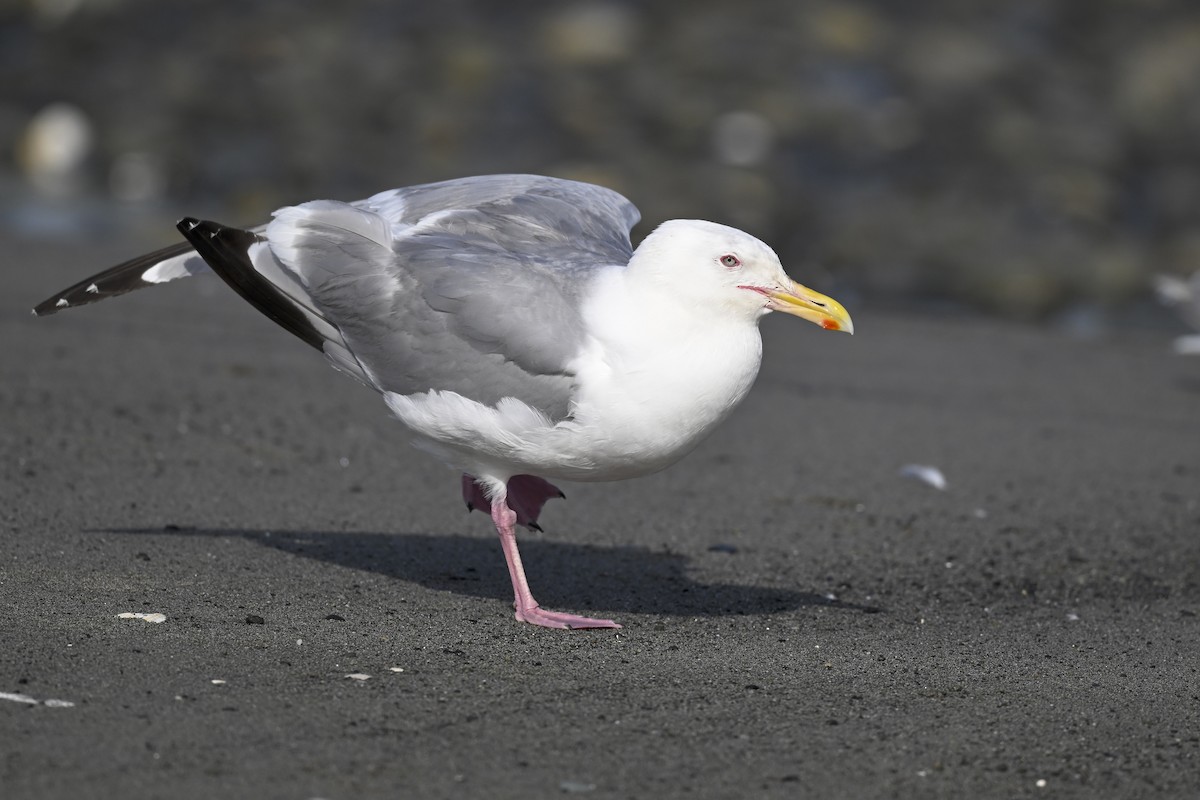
[472, 286]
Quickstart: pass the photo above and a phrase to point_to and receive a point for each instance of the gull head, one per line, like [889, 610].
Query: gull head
[724, 270]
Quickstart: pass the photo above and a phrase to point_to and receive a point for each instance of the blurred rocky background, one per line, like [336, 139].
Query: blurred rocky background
[1033, 158]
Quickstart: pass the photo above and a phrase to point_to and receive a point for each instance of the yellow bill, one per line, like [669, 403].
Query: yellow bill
[800, 301]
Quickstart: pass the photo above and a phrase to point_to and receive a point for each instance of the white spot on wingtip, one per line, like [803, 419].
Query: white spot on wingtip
[93, 289]
[62, 303]
[193, 225]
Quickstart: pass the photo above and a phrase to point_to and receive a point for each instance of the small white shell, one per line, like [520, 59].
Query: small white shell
[154, 617]
[17, 697]
[924, 473]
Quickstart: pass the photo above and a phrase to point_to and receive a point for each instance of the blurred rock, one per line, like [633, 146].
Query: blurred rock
[742, 138]
[1030, 159]
[592, 33]
[894, 124]
[1159, 75]
[1182, 295]
[1181, 255]
[1113, 275]
[845, 29]
[53, 12]
[54, 149]
[1083, 322]
[947, 58]
[138, 178]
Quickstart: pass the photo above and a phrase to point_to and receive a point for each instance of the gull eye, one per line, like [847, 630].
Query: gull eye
[730, 261]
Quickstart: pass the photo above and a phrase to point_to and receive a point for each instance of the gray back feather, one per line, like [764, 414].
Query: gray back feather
[472, 286]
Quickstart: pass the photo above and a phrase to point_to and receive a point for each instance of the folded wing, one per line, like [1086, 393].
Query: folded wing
[472, 286]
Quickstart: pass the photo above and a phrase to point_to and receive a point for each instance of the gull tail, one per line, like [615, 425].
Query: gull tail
[177, 261]
[245, 261]
[231, 252]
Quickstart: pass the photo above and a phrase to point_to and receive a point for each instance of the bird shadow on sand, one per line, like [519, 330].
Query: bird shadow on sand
[563, 575]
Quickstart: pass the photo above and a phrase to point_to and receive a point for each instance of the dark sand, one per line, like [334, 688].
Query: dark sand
[174, 452]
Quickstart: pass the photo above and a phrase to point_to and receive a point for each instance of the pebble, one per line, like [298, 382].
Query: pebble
[152, 617]
[931, 476]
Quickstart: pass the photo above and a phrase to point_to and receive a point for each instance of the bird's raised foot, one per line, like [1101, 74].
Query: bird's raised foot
[525, 494]
[557, 619]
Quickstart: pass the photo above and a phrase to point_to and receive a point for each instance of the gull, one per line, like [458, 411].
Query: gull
[509, 323]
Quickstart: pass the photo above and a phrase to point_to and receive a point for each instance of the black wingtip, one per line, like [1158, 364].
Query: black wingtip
[124, 277]
[48, 307]
[227, 250]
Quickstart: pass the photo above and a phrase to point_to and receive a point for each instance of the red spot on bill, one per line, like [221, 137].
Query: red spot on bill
[831, 325]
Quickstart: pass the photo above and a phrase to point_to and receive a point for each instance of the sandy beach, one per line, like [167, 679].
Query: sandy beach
[800, 619]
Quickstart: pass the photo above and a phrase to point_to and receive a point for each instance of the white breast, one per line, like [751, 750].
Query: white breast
[652, 383]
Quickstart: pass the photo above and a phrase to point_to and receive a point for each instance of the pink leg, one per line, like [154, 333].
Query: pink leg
[527, 608]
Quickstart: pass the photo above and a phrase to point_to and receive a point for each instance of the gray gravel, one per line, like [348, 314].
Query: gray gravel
[801, 621]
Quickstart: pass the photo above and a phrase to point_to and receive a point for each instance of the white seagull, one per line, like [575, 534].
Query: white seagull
[510, 325]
